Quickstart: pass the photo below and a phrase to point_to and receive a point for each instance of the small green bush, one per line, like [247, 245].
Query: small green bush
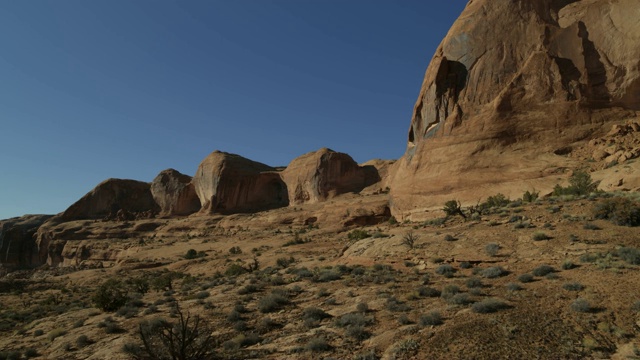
[110, 296]
[525, 278]
[540, 236]
[445, 270]
[619, 210]
[358, 234]
[82, 341]
[474, 283]
[492, 249]
[513, 287]
[489, 306]
[453, 208]
[574, 286]
[581, 305]
[580, 183]
[272, 302]
[235, 270]
[493, 272]
[629, 254]
[530, 196]
[56, 333]
[543, 270]
[191, 254]
[431, 319]
[318, 345]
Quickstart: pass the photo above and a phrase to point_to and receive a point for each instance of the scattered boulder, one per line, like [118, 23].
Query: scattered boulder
[174, 193]
[112, 196]
[323, 174]
[228, 183]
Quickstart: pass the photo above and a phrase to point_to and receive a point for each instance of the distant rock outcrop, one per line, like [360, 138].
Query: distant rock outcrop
[228, 183]
[174, 193]
[113, 198]
[512, 82]
[323, 174]
[17, 242]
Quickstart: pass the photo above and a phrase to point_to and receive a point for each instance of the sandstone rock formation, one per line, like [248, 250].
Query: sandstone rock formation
[174, 193]
[228, 183]
[17, 242]
[111, 196]
[512, 82]
[323, 174]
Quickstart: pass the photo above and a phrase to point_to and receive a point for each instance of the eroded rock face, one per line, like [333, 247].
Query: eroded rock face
[174, 193]
[511, 82]
[228, 183]
[129, 197]
[323, 174]
[17, 242]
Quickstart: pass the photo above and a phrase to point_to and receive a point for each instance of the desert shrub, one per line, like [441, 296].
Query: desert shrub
[353, 319]
[404, 347]
[82, 341]
[493, 272]
[315, 313]
[629, 254]
[619, 210]
[10, 355]
[574, 286]
[568, 265]
[488, 306]
[362, 308]
[318, 345]
[496, 201]
[525, 278]
[191, 254]
[368, 355]
[449, 290]
[431, 319]
[302, 272]
[38, 332]
[110, 296]
[530, 196]
[396, 305]
[404, 319]
[636, 306]
[30, 353]
[127, 312]
[580, 183]
[445, 270]
[409, 239]
[543, 270]
[235, 270]
[453, 208]
[591, 226]
[540, 236]
[358, 234]
[55, 333]
[235, 250]
[473, 283]
[327, 275]
[513, 287]
[426, 291]
[449, 237]
[272, 302]
[465, 265]
[248, 289]
[580, 305]
[188, 338]
[492, 249]
[357, 332]
[459, 299]
[284, 262]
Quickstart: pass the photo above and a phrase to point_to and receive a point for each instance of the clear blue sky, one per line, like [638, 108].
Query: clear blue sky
[126, 88]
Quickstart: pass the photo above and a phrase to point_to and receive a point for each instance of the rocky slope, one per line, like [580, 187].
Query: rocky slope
[512, 84]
